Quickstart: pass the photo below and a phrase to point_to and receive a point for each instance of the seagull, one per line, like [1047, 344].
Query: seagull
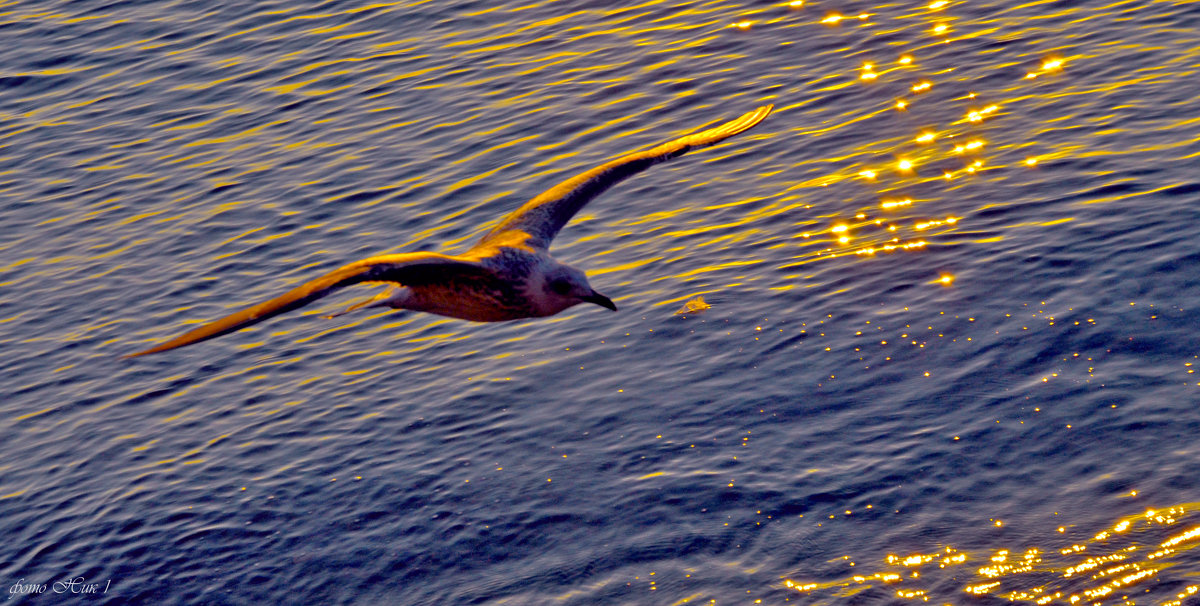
[508, 275]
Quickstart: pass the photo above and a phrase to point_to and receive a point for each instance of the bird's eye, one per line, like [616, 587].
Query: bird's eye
[560, 287]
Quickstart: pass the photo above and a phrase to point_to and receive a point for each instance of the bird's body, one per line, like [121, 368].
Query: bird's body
[493, 285]
[508, 275]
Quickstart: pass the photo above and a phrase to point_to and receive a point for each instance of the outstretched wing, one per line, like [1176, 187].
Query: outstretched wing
[410, 269]
[543, 216]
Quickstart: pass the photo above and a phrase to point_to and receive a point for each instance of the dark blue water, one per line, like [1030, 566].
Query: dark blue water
[949, 355]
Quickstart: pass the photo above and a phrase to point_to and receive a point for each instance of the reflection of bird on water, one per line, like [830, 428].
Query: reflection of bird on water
[508, 275]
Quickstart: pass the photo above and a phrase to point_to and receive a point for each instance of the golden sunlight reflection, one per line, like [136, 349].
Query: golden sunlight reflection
[938, 132]
[1110, 567]
[935, 223]
[1052, 65]
[1048, 66]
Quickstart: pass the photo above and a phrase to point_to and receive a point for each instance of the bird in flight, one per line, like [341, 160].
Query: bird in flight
[508, 275]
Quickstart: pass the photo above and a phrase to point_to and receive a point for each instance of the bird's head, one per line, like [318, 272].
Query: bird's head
[565, 286]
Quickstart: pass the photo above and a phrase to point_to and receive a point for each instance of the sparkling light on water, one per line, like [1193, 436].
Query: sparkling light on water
[1109, 568]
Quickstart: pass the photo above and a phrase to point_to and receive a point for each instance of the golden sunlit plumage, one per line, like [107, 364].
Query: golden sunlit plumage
[508, 275]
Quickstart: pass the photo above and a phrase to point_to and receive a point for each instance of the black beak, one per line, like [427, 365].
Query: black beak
[600, 300]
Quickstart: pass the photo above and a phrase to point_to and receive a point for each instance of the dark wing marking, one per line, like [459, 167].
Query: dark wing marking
[411, 269]
[544, 215]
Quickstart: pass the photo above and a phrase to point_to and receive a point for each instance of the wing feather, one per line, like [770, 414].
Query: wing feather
[411, 269]
[543, 216]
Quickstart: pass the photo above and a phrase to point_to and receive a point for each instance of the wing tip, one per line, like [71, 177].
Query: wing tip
[751, 118]
[161, 347]
[736, 126]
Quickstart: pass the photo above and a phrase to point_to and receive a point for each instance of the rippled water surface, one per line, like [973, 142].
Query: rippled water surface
[948, 356]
